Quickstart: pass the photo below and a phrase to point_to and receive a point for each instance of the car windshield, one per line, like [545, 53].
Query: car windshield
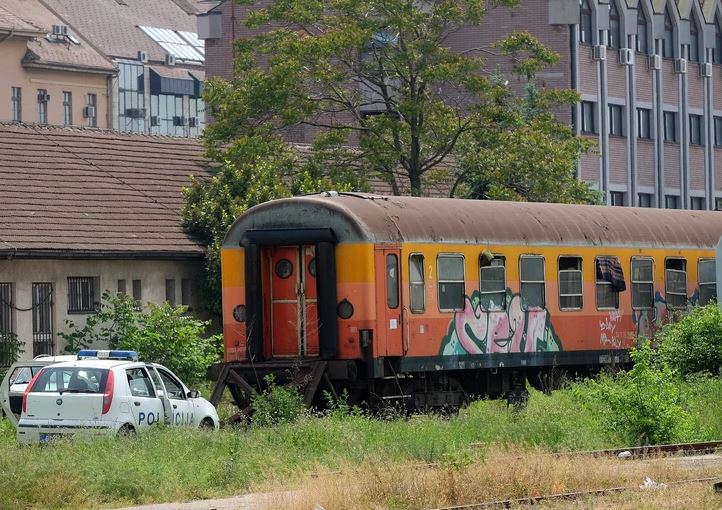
[71, 380]
[21, 375]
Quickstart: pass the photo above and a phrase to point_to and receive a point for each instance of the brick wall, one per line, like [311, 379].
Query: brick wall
[670, 82]
[644, 79]
[695, 87]
[671, 165]
[588, 71]
[645, 162]
[617, 160]
[718, 169]
[616, 77]
[696, 168]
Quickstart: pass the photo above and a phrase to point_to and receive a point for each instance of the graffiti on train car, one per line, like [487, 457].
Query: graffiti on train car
[475, 330]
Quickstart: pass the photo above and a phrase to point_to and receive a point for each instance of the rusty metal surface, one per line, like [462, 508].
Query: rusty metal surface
[356, 217]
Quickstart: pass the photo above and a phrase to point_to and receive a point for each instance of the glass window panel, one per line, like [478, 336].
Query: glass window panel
[451, 268]
[532, 269]
[451, 296]
[533, 294]
[392, 281]
[607, 297]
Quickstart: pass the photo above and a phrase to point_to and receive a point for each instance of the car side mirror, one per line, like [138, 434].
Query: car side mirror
[194, 394]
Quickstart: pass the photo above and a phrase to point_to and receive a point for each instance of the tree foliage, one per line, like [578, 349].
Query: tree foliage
[693, 344]
[161, 334]
[438, 114]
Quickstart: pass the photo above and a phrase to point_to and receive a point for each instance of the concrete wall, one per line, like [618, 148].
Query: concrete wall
[153, 275]
[80, 84]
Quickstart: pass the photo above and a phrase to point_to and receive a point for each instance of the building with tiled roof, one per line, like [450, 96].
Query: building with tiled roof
[137, 66]
[56, 78]
[87, 211]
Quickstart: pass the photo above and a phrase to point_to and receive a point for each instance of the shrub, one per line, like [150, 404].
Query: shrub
[644, 404]
[694, 344]
[276, 404]
[162, 334]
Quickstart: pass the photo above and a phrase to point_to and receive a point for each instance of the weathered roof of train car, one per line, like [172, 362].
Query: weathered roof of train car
[356, 217]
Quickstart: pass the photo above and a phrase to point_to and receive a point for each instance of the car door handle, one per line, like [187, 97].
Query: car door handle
[175, 406]
[137, 404]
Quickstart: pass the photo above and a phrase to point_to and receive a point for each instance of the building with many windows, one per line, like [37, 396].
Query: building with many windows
[649, 73]
[137, 66]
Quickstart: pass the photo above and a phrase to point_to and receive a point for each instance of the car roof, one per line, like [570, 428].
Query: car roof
[97, 363]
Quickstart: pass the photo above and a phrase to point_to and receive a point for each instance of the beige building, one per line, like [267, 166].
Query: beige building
[87, 211]
[50, 75]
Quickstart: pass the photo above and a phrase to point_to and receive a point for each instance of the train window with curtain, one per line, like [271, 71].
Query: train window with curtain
[675, 283]
[416, 283]
[531, 276]
[642, 284]
[451, 282]
[392, 281]
[707, 280]
[492, 281]
[570, 283]
[609, 283]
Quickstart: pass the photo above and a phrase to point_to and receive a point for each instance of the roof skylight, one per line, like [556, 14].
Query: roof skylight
[184, 45]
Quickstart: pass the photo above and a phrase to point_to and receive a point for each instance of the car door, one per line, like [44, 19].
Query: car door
[145, 405]
[182, 409]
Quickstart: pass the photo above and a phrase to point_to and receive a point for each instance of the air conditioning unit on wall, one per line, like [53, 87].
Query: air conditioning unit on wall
[599, 52]
[169, 59]
[680, 65]
[43, 97]
[655, 61]
[89, 112]
[626, 56]
[705, 70]
[143, 57]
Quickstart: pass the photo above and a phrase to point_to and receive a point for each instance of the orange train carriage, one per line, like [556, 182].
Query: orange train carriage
[429, 301]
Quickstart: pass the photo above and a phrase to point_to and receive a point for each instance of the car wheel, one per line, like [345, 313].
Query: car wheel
[126, 431]
[207, 424]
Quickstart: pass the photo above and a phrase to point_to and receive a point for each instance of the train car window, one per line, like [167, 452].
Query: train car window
[642, 284]
[570, 283]
[707, 280]
[392, 281]
[531, 276]
[416, 283]
[492, 282]
[609, 282]
[451, 282]
[675, 283]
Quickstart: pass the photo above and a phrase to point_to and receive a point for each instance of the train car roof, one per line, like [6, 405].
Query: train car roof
[358, 217]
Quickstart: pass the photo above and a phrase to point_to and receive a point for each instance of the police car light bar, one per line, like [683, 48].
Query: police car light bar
[105, 354]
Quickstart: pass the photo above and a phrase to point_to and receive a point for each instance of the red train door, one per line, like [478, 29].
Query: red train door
[294, 304]
[389, 305]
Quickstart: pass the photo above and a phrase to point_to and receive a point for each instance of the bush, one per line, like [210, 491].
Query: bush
[276, 404]
[644, 404]
[162, 334]
[694, 344]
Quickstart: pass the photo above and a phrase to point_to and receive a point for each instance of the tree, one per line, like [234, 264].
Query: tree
[389, 97]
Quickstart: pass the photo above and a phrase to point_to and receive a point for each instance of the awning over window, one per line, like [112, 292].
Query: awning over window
[179, 82]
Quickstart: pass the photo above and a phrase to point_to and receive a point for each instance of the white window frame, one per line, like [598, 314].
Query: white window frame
[711, 283]
[440, 281]
[604, 283]
[503, 287]
[666, 281]
[581, 282]
[413, 283]
[641, 282]
[542, 282]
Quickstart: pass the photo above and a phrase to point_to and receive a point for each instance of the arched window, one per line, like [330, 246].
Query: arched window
[642, 34]
[668, 41]
[585, 22]
[614, 40]
[717, 41]
[693, 40]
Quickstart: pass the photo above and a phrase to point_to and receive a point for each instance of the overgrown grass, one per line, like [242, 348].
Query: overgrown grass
[181, 464]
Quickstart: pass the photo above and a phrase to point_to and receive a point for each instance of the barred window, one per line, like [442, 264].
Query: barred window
[451, 282]
[707, 280]
[138, 294]
[675, 286]
[170, 291]
[531, 275]
[416, 283]
[607, 296]
[570, 283]
[7, 324]
[642, 284]
[81, 294]
[492, 283]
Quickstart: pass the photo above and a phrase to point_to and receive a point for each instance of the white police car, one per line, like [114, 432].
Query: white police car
[17, 379]
[107, 392]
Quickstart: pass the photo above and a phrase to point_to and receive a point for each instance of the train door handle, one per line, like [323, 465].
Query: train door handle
[137, 404]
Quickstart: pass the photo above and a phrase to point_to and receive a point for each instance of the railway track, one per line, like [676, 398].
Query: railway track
[532, 500]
